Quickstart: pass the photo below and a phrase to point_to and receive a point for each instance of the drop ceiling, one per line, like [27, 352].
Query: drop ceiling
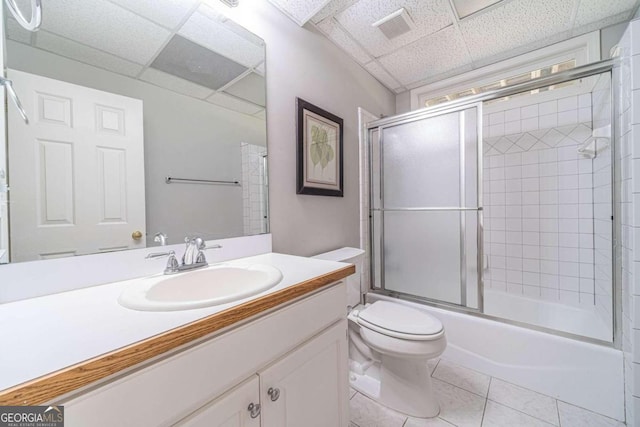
[449, 37]
[186, 46]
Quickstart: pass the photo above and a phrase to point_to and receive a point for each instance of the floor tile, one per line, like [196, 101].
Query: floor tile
[465, 378]
[432, 363]
[497, 415]
[427, 422]
[367, 413]
[531, 403]
[458, 406]
[573, 416]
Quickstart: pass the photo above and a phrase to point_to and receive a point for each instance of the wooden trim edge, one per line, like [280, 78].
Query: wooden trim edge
[46, 388]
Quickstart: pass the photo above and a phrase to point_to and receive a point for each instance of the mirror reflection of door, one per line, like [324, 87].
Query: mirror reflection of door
[77, 170]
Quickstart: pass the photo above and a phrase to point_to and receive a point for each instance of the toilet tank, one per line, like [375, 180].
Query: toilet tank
[353, 256]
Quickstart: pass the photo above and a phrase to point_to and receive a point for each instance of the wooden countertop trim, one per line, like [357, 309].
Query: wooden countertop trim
[46, 388]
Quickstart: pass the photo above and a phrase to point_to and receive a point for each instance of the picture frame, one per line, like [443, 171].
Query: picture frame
[319, 151]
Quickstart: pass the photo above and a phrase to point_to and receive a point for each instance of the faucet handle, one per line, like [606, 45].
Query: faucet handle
[160, 255]
[172, 264]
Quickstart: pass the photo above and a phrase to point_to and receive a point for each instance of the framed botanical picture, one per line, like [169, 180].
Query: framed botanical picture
[319, 135]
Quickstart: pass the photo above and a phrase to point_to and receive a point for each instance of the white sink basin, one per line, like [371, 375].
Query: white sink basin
[213, 285]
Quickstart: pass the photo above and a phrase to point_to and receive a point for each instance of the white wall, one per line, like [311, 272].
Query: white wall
[302, 63]
[183, 137]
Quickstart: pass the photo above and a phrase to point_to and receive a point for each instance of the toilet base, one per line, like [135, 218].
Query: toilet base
[414, 398]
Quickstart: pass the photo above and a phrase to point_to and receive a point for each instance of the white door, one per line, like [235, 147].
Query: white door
[232, 409]
[309, 387]
[76, 170]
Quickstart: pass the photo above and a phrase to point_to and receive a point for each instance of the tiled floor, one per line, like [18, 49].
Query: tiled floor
[471, 399]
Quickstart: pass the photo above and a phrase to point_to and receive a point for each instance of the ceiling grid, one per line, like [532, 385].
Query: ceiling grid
[454, 36]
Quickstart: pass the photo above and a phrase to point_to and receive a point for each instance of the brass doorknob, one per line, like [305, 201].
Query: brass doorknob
[136, 235]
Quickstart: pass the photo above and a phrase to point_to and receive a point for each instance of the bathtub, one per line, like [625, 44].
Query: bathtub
[583, 374]
[572, 319]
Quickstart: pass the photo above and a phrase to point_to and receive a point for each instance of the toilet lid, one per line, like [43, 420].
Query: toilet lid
[395, 317]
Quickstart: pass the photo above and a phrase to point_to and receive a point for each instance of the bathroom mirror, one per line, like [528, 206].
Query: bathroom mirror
[144, 118]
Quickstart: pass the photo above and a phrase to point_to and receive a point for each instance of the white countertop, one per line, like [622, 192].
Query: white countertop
[45, 334]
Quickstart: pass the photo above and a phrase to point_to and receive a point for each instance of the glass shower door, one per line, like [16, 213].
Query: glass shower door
[425, 207]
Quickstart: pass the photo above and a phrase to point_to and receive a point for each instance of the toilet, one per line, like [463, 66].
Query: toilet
[389, 346]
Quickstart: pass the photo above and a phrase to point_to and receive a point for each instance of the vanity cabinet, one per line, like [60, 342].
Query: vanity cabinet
[303, 388]
[291, 361]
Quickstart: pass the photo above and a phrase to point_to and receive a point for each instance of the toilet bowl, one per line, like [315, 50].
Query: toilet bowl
[402, 340]
[389, 346]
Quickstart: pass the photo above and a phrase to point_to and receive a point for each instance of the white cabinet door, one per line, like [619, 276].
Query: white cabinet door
[229, 410]
[309, 387]
[77, 170]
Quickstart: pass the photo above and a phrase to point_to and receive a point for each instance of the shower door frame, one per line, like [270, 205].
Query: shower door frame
[462, 210]
[468, 102]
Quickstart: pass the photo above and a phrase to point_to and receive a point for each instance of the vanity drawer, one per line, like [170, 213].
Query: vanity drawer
[166, 391]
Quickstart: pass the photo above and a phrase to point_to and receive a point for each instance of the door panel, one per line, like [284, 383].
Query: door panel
[77, 170]
[311, 383]
[229, 410]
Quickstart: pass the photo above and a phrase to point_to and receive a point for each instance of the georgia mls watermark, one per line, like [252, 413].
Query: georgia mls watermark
[31, 416]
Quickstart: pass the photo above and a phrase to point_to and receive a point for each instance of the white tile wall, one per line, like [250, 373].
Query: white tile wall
[627, 86]
[533, 182]
[253, 200]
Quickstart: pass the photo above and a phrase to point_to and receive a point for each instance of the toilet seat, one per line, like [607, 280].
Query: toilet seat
[400, 321]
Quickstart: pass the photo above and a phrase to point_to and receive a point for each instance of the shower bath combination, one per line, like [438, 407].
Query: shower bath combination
[500, 205]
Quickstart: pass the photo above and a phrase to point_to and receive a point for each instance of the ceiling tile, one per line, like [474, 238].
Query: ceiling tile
[218, 37]
[175, 84]
[262, 114]
[428, 16]
[601, 23]
[429, 56]
[235, 104]
[16, 32]
[70, 49]
[300, 11]
[515, 24]
[190, 61]
[251, 87]
[469, 7]
[105, 26]
[342, 39]
[331, 9]
[169, 13]
[594, 10]
[382, 75]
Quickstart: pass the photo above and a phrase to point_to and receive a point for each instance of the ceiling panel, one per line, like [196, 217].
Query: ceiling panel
[465, 8]
[515, 24]
[168, 13]
[175, 84]
[17, 32]
[429, 16]
[331, 9]
[300, 11]
[190, 61]
[214, 35]
[332, 30]
[70, 49]
[251, 87]
[590, 11]
[105, 26]
[429, 56]
[233, 103]
[382, 75]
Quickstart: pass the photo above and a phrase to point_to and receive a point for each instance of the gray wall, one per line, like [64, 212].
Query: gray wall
[302, 63]
[183, 137]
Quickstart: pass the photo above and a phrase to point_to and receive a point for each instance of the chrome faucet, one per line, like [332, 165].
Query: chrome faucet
[160, 238]
[192, 258]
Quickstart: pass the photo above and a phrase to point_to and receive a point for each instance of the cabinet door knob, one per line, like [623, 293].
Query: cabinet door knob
[274, 393]
[254, 410]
